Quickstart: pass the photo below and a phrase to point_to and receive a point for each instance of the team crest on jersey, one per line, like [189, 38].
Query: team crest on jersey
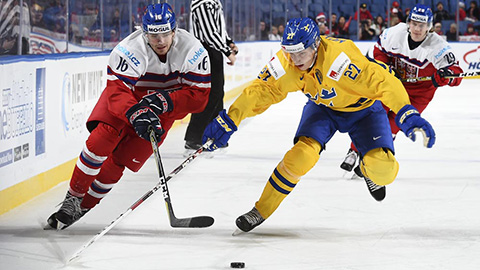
[319, 76]
[338, 67]
[275, 67]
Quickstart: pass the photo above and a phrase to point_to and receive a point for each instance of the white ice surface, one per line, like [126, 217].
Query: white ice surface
[430, 218]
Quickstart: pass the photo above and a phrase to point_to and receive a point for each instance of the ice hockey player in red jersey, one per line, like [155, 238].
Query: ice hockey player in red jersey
[412, 50]
[156, 75]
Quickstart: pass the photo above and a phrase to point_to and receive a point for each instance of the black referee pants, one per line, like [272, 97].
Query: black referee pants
[199, 121]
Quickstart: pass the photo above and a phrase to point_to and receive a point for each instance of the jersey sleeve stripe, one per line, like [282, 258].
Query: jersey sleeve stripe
[127, 79]
[196, 78]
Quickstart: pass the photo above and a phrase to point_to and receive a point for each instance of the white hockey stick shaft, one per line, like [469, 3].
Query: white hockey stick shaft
[138, 202]
[465, 75]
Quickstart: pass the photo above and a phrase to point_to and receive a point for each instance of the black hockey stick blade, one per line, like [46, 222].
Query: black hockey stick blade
[193, 222]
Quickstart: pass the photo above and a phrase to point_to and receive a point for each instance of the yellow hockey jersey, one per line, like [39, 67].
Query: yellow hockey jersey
[342, 79]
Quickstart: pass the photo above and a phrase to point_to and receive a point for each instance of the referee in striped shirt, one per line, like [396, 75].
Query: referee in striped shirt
[208, 25]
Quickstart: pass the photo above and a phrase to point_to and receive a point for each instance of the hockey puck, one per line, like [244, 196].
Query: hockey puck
[237, 265]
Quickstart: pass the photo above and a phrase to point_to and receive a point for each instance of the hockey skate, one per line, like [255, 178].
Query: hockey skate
[190, 148]
[250, 220]
[378, 192]
[350, 160]
[69, 213]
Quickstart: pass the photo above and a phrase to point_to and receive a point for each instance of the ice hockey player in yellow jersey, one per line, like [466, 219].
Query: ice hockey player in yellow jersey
[345, 91]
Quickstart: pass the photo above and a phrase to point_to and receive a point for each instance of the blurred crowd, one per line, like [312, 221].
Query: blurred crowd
[48, 18]
[363, 25]
[21, 22]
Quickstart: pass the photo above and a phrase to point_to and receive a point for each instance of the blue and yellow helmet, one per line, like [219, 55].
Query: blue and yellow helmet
[299, 34]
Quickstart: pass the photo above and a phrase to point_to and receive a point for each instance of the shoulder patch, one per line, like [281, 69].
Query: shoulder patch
[338, 67]
[129, 55]
[441, 51]
[193, 57]
[276, 68]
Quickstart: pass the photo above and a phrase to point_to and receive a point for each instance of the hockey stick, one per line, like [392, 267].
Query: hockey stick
[466, 75]
[140, 201]
[192, 222]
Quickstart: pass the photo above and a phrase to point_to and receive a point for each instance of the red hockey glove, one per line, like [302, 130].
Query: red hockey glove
[455, 70]
[439, 79]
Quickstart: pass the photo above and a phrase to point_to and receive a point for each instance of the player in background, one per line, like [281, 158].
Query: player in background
[156, 75]
[345, 92]
[412, 50]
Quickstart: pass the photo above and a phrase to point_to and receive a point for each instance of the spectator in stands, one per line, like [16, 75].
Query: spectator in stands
[274, 34]
[437, 28]
[395, 10]
[74, 34]
[366, 30]
[60, 25]
[378, 25]
[281, 28]
[55, 17]
[246, 34]
[394, 21]
[115, 21]
[343, 27]
[36, 16]
[333, 22]
[85, 33]
[321, 18]
[323, 28]
[452, 32]
[140, 11]
[12, 25]
[461, 12]
[407, 12]
[114, 36]
[364, 13]
[7, 44]
[263, 31]
[7, 39]
[470, 31]
[76, 22]
[440, 13]
[394, 14]
[473, 13]
[92, 11]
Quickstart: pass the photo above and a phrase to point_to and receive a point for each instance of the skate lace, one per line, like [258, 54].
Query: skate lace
[71, 206]
[372, 186]
[253, 217]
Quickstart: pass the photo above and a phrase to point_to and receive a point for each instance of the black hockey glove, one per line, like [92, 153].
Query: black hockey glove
[160, 102]
[141, 117]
